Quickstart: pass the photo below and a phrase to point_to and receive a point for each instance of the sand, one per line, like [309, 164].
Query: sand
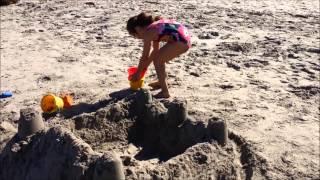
[253, 64]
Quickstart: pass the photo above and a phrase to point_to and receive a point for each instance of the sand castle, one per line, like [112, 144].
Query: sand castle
[253, 64]
[55, 152]
[30, 122]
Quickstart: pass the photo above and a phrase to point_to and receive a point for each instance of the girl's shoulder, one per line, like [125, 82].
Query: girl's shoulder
[158, 24]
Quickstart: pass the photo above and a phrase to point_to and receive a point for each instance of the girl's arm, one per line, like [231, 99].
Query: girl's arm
[143, 63]
[146, 58]
[155, 49]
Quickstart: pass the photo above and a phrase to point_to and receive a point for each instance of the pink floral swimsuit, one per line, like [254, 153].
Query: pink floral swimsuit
[171, 28]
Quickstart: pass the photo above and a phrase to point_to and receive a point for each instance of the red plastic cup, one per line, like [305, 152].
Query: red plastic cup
[132, 70]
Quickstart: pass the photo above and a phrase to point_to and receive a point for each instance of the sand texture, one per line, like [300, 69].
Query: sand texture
[244, 105]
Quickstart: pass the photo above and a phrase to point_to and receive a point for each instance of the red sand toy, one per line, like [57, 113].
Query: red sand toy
[135, 85]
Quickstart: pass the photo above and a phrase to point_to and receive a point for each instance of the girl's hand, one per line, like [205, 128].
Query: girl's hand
[135, 77]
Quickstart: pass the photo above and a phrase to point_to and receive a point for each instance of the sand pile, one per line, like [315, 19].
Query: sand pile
[7, 130]
[154, 140]
[55, 153]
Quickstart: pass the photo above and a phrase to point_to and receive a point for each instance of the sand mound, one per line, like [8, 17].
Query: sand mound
[153, 139]
[7, 131]
[253, 64]
[56, 154]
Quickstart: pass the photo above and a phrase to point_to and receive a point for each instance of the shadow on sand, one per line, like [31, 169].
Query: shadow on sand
[81, 108]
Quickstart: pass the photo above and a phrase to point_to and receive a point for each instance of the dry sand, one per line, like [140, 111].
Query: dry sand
[254, 64]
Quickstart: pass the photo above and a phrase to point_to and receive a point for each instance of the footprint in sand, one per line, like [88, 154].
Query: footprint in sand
[7, 2]
[67, 59]
[208, 35]
[236, 46]
[299, 68]
[260, 84]
[48, 78]
[234, 65]
[305, 91]
[256, 63]
[104, 71]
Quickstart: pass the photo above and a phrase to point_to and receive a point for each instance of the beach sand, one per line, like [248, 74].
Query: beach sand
[253, 64]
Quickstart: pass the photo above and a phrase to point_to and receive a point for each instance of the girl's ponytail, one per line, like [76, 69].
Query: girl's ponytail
[157, 18]
[144, 19]
[141, 20]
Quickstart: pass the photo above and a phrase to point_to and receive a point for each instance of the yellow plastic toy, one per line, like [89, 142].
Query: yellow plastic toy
[51, 103]
[135, 85]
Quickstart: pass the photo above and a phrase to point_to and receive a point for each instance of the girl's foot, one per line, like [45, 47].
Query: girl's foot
[155, 85]
[161, 95]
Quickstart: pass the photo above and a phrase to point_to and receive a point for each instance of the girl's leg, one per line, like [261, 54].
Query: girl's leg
[165, 54]
[155, 84]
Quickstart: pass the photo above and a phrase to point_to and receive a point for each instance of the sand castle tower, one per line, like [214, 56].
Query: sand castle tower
[30, 122]
[109, 167]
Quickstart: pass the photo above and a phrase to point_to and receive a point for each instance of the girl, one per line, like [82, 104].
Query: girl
[152, 30]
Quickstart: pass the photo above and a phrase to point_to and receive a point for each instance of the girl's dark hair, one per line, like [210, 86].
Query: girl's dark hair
[140, 20]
